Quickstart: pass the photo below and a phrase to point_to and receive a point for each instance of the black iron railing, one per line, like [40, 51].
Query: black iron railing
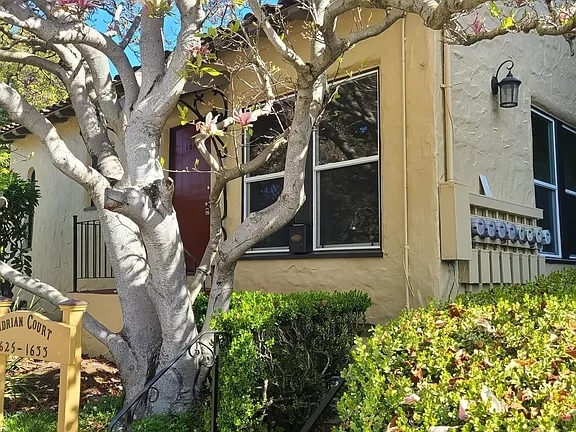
[90, 255]
[125, 418]
[311, 423]
[91, 258]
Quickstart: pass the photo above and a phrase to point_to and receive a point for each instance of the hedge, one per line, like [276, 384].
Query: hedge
[282, 354]
[501, 360]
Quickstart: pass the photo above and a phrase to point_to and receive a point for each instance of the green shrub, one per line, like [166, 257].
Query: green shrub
[22, 197]
[509, 354]
[282, 355]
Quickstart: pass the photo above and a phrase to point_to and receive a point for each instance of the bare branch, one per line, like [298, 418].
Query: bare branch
[107, 96]
[287, 53]
[22, 112]
[277, 144]
[542, 25]
[152, 52]
[55, 297]
[19, 14]
[33, 60]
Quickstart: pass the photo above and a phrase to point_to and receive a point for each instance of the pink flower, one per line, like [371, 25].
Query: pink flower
[81, 4]
[566, 417]
[245, 118]
[200, 50]
[477, 25]
[410, 399]
[462, 414]
[209, 126]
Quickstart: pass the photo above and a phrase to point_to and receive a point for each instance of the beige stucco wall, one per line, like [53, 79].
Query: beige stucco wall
[383, 278]
[498, 142]
[61, 199]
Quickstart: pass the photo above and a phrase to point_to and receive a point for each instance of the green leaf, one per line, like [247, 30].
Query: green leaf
[508, 22]
[183, 114]
[494, 10]
[210, 71]
[234, 26]
[196, 163]
[212, 32]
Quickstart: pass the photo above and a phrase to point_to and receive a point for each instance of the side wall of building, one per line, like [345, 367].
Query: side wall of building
[497, 142]
[384, 278]
[61, 198]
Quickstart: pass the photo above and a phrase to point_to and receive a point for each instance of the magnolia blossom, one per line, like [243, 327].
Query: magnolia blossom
[200, 50]
[410, 399]
[81, 4]
[462, 414]
[209, 126]
[245, 118]
[477, 25]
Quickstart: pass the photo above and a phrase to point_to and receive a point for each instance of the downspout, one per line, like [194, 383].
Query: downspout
[448, 136]
[406, 257]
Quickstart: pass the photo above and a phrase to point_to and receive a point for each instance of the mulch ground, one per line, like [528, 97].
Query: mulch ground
[33, 384]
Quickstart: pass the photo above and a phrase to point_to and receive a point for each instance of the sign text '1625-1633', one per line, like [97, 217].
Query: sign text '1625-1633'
[22, 349]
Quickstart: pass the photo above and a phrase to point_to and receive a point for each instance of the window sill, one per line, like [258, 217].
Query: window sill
[552, 260]
[314, 255]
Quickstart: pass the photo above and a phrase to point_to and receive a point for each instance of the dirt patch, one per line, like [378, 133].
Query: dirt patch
[33, 384]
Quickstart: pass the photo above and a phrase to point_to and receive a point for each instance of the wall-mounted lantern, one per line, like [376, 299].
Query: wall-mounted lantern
[508, 87]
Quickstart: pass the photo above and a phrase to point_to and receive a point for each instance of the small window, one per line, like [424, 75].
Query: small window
[342, 175]
[554, 153]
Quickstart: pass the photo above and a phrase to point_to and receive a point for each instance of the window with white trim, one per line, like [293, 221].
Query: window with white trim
[554, 162]
[342, 179]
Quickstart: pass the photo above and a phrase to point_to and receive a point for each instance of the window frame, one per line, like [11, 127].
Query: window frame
[248, 179]
[312, 173]
[558, 189]
[318, 168]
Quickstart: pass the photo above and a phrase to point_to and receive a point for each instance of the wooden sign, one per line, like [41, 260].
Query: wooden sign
[31, 335]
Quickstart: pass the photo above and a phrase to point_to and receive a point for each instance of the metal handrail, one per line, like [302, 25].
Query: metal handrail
[323, 405]
[129, 408]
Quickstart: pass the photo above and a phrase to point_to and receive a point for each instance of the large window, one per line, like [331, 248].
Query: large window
[554, 158]
[342, 176]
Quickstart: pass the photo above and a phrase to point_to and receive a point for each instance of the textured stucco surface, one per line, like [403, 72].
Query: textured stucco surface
[61, 199]
[383, 278]
[498, 142]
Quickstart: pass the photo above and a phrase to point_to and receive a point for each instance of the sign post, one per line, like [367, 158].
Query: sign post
[31, 335]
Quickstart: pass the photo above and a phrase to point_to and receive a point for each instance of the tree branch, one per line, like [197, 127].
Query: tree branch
[55, 297]
[152, 52]
[542, 25]
[22, 112]
[19, 14]
[33, 60]
[286, 52]
[107, 96]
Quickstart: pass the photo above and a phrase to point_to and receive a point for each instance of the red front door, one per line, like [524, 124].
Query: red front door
[191, 193]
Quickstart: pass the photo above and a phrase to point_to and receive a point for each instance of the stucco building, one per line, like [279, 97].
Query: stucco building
[393, 180]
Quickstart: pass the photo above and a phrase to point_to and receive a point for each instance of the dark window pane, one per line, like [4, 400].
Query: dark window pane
[349, 125]
[348, 206]
[567, 142]
[264, 130]
[542, 149]
[568, 226]
[261, 195]
[545, 201]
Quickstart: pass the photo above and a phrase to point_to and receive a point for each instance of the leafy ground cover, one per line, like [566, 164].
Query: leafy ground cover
[501, 360]
[32, 396]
